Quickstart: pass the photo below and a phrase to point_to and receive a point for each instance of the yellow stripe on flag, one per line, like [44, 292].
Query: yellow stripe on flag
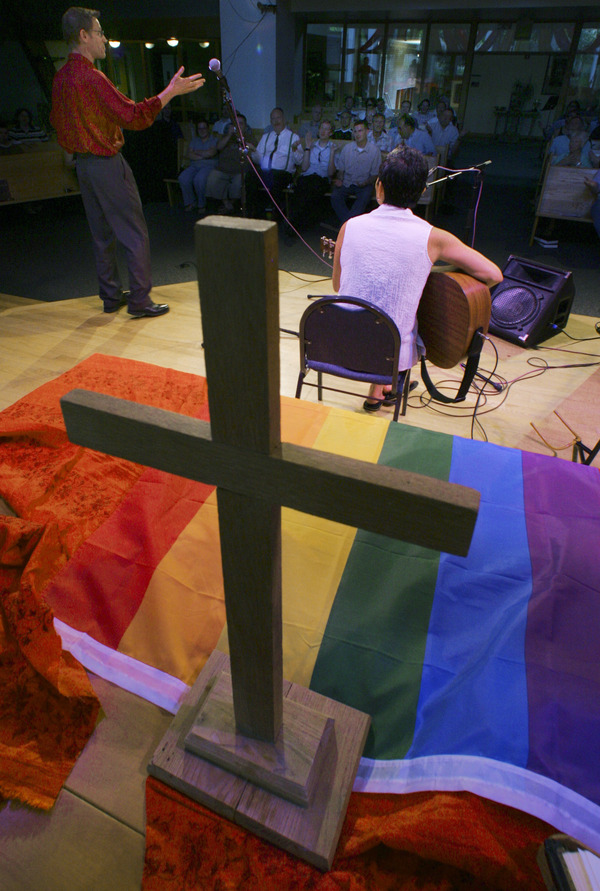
[182, 616]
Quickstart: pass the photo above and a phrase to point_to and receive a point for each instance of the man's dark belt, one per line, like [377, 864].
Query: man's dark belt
[91, 155]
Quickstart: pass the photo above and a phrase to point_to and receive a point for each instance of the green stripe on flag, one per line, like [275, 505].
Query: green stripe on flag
[372, 652]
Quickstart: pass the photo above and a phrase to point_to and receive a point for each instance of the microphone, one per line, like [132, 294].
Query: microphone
[215, 67]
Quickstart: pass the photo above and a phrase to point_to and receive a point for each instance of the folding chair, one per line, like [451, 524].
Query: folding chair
[350, 338]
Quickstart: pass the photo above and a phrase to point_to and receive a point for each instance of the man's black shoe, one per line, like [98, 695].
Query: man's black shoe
[148, 312]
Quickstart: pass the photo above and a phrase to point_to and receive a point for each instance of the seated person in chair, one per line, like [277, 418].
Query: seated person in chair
[357, 168]
[386, 256]
[318, 166]
[225, 180]
[277, 154]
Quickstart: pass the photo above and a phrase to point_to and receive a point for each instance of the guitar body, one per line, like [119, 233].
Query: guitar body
[453, 306]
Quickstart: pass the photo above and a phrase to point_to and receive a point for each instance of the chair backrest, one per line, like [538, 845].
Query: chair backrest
[349, 337]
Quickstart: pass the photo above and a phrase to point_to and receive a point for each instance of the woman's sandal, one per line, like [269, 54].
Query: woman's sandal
[388, 399]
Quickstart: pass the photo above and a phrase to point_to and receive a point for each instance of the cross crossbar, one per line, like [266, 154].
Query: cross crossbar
[386, 500]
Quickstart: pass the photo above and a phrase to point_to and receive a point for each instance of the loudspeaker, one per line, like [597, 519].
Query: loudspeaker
[532, 303]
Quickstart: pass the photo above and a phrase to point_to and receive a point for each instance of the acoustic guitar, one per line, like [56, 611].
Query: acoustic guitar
[452, 307]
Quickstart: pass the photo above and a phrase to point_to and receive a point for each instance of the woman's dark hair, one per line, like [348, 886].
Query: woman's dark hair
[403, 175]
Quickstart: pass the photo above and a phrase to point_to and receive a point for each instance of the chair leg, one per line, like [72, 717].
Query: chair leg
[320, 386]
[299, 384]
[401, 402]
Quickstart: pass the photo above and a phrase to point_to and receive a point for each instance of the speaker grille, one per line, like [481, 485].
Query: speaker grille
[514, 307]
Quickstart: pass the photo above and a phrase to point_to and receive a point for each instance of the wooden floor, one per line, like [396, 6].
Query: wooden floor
[94, 836]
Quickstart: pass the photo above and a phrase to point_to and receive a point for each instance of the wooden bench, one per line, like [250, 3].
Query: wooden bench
[564, 196]
[35, 174]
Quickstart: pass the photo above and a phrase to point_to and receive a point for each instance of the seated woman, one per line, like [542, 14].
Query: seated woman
[202, 154]
[386, 256]
[24, 130]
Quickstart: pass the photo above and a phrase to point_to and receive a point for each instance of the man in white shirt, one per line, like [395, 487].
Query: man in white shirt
[357, 169]
[277, 155]
[443, 132]
[378, 136]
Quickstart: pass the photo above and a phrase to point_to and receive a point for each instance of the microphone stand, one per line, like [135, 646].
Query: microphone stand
[456, 173]
[243, 151]
[476, 169]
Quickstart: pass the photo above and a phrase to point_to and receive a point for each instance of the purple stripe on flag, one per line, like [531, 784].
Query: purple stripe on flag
[562, 642]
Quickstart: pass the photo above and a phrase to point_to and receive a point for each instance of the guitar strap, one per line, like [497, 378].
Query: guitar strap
[471, 367]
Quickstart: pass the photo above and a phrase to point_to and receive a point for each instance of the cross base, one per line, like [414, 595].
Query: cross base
[336, 737]
[288, 767]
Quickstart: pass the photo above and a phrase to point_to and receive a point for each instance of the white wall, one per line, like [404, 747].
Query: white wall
[492, 80]
[249, 58]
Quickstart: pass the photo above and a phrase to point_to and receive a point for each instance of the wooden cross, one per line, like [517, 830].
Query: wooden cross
[285, 752]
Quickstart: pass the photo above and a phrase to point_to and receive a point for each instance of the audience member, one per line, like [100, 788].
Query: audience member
[224, 182]
[560, 145]
[443, 132]
[318, 166]
[277, 153]
[220, 126]
[344, 131]
[357, 169]
[314, 125]
[24, 130]
[369, 113]
[202, 153]
[578, 153]
[423, 114]
[557, 126]
[8, 145]
[378, 136]
[440, 107]
[593, 184]
[384, 109]
[594, 151]
[348, 106]
[417, 139]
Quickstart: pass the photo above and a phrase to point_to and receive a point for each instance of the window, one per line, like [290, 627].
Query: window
[403, 63]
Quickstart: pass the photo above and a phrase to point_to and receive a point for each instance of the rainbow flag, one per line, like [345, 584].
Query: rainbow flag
[480, 673]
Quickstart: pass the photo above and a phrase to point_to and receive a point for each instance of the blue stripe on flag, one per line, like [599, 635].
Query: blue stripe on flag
[473, 698]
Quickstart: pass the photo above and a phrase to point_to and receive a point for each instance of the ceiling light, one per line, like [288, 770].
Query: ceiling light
[114, 43]
[204, 44]
[149, 45]
[172, 41]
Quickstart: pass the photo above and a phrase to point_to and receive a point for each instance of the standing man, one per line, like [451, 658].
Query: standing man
[357, 169]
[88, 113]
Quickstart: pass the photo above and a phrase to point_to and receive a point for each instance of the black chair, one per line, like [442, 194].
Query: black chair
[350, 338]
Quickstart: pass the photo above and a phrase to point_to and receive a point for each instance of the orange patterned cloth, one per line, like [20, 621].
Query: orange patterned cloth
[425, 841]
[48, 708]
